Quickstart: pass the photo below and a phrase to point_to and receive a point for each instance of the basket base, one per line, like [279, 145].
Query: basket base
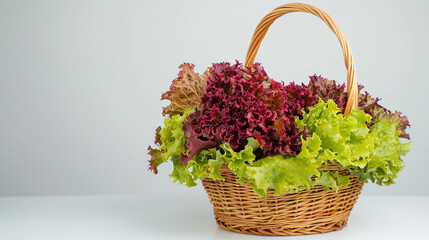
[238, 208]
[279, 231]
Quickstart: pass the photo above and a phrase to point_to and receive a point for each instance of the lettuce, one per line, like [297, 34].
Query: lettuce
[386, 162]
[200, 163]
[332, 181]
[326, 89]
[372, 154]
[345, 139]
[181, 173]
[185, 91]
[194, 144]
[371, 106]
[286, 173]
[170, 140]
[243, 102]
[274, 136]
[172, 137]
[155, 159]
[402, 123]
[281, 173]
[236, 161]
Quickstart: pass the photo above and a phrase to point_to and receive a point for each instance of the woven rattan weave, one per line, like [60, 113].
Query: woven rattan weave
[238, 208]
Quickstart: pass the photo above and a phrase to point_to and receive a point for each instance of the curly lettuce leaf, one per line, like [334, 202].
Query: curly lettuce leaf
[171, 139]
[194, 144]
[243, 102]
[401, 121]
[181, 173]
[286, 173]
[155, 159]
[200, 163]
[326, 89]
[345, 139]
[373, 154]
[157, 136]
[386, 162]
[281, 173]
[208, 162]
[236, 161]
[371, 106]
[185, 91]
[332, 181]
[214, 168]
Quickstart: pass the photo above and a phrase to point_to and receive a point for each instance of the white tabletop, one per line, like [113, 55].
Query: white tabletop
[187, 217]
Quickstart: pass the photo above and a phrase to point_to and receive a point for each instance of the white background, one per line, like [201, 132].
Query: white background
[80, 81]
[187, 217]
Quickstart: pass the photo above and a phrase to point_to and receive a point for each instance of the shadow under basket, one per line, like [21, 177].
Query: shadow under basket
[238, 208]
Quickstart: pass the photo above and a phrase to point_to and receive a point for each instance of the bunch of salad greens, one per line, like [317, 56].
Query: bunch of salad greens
[274, 136]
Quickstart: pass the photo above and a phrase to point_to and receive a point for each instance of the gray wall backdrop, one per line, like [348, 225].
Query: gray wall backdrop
[80, 81]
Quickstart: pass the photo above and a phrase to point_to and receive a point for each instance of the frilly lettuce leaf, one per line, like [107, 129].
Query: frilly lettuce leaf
[172, 137]
[373, 154]
[181, 173]
[200, 163]
[207, 163]
[402, 123]
[286, 173]
[370, 105]
[326, 89]
[185, 91]
[384, 165]
[193, 143]
[155, 159]
[332, 180]
[237, 161]
[281, 173]
[171, 140]
[214, 168]
[345, 139]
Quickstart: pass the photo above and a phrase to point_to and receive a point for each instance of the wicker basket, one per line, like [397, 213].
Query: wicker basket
[238, 208]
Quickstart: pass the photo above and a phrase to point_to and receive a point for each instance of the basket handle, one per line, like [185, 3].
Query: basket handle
[262, 28]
